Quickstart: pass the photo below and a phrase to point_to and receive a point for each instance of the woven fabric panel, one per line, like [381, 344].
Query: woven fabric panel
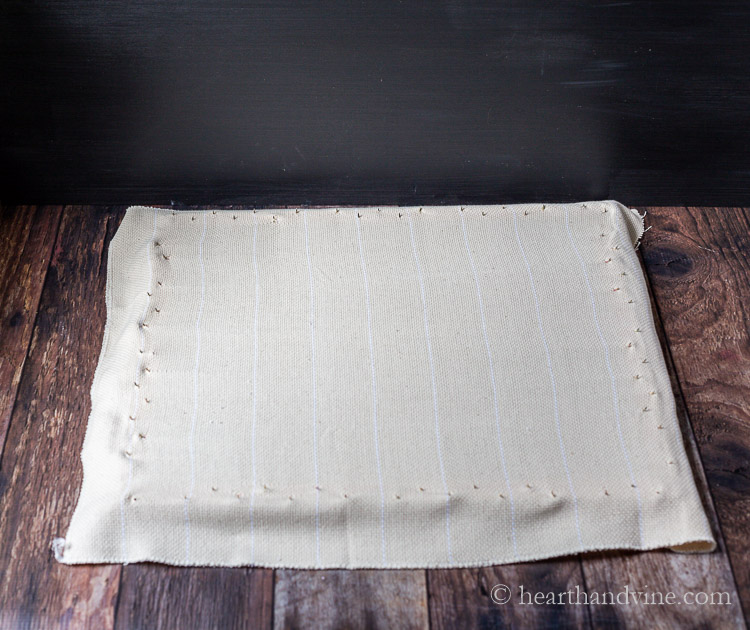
[380, 387]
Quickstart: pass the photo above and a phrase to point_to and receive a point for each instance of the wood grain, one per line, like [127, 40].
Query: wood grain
[663, 571]
[40, 473]
[389, 599]
[698, 267]
[155, 596]
[27, 234]
[698, 263]
[461, 598]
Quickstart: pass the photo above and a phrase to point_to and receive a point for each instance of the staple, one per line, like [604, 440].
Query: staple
[238, 495]
[630, 301]
[660, 426]
[158, 310]
[623, 274]
[525, 212]
[149, 294]
[637, 376]
[632, 485]
[296, 211]
[603, 235]
[144, 325]
[359, 215]
[159, 282]
[265, 487]
[501, 495]
[616, 247]
[421, 489]
[605, 210]
[630, 344]
[420, 209]
[166, 256]
[147, 369]
[234, 217]
[606, 492]
[132, 418]
[157, 243]
[398, 496]
[380, 209]
[346, 496]
[638, 330]
[214, 212]
[140, 351]
[337, 211]
[463, 209]
[616, 289]
[608, 260]
[670, 462]
[214, 488]
[646, 409]
[652, 393]
[528, 485]
[317, 488]
[544, 207]
[552, 492]
[484, 214]
[148, 400]
[476, 487]
[142, 436]
[450, 494]
[274, 219]
[291, 498]
[644, 361]
[400, 215]
[192, 218]
[136, 384]
[128, 453]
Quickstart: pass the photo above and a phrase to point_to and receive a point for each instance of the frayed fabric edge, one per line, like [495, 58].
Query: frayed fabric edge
[58, 548]
[643, 229]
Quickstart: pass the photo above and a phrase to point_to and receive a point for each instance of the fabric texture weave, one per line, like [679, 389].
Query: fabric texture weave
[380, 387]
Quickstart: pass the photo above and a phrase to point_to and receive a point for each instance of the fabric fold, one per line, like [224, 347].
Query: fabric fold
[380, 387]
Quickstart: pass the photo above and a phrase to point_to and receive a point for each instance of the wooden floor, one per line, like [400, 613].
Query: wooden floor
[52, 314]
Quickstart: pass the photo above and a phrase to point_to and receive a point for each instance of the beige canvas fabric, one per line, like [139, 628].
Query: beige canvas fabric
[380, 387]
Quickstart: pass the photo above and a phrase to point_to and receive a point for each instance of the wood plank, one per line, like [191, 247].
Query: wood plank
[27, 234]
[698, 263]
[663, 571]
[389, 599]
[404, 102]
[461, 598]
[158, 596]
[40, 473]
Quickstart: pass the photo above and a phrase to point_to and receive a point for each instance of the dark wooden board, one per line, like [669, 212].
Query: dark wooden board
[330, 599]
[698, 262]
[27, 234]
[462, 598]
[216, 101]
[663, 571]
[40, 472]
[155, 596]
